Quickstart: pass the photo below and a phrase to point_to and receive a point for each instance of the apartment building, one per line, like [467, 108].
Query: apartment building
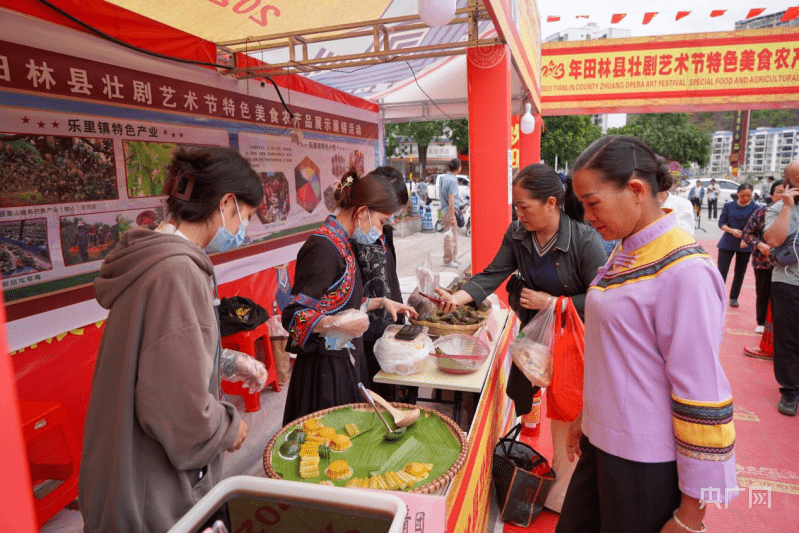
[769, 150]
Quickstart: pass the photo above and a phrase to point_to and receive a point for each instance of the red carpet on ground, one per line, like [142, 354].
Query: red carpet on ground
[767, 442]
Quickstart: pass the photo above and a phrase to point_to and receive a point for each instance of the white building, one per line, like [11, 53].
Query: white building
[769, 150]
[610, 120]
[586, 33]
[720, 153]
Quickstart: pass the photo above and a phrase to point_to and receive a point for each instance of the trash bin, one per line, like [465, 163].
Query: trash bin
[245, 503]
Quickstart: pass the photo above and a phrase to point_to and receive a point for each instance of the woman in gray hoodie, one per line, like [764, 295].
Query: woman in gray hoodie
[155, 428]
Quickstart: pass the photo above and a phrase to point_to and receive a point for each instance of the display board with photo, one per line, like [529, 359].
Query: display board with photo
[90, 237]
[24, 249]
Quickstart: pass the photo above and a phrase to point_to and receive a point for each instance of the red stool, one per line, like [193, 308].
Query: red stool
[53, 456]
[255, 343]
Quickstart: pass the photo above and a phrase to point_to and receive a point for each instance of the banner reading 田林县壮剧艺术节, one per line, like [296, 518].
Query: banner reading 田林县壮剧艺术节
[707, 71]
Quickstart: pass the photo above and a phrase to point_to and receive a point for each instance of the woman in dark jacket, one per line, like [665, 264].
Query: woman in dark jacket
[378, 265]
[733, 219]
[555, 255]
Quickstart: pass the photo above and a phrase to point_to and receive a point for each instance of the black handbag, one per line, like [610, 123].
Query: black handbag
[459, 218]
[238, 313]
[522, 479]
[785, 254]
[514, 288]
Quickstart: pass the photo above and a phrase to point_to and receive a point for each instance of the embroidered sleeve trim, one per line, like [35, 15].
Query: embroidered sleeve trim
[703, 430]
[336, 297]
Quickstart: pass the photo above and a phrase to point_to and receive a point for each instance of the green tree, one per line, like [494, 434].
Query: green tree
[423, 133]
[671, 135]
[566, 137]
[459, 134]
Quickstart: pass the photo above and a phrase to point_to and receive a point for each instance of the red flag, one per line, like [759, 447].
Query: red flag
[615, 19]
[581, 16]
[755, 12]
[682, 14]
[649, 16]
[790, 14]
[717, 12]
[551, 18]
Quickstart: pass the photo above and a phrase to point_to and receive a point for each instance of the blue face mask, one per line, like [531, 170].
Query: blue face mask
[366, 238]
[224, 240]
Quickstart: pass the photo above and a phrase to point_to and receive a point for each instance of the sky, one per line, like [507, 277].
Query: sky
[663, 24]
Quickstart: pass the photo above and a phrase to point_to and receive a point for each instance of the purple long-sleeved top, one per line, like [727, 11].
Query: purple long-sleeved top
[654, 388]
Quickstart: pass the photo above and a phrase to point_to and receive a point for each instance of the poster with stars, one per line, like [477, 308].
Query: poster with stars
[71, 184]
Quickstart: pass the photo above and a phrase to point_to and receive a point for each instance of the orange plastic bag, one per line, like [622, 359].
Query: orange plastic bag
[565, 394]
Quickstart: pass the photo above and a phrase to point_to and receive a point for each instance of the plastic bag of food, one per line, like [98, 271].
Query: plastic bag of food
[427, 279]
[531, 350]
[344, 326]
[399, 356]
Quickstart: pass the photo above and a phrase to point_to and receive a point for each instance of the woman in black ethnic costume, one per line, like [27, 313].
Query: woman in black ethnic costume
[378, 264]
[327, 281]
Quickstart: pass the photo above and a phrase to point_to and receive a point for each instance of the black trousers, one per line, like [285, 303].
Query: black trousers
[608, 494]
[741, 260]
[784, 310]
[763, 291]
[711, 208]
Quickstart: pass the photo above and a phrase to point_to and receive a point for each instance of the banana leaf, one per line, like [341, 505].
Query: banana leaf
[428, 440]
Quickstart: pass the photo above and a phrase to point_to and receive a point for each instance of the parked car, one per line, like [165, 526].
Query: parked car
[727, 187]
[463, 186]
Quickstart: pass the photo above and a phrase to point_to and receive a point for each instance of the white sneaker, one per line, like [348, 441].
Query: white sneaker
[760, 329]
[452, 264]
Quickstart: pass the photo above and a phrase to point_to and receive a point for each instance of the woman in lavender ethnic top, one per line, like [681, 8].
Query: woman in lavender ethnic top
[656, 434]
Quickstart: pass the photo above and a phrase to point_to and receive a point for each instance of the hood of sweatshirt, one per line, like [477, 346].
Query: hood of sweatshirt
[138, 250]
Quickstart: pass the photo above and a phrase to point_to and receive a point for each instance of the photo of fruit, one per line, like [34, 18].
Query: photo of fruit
[48, 169]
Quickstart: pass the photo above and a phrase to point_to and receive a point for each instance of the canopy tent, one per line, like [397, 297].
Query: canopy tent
[377, 50]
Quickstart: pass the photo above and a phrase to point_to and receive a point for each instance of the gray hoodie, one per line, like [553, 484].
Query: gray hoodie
[155, 429]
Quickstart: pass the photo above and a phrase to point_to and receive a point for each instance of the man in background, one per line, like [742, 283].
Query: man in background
[782, 220]
[450, 202]
[713, 192]
[696, 195]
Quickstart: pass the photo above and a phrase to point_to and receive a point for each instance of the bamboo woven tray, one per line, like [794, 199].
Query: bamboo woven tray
[432, 487]
[441, 329]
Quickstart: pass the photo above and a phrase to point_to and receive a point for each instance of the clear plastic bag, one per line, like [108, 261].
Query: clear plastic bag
[426, 278]
[531, 350]
[402, 357]
[334, 333]
[276, 328]
[422, 305]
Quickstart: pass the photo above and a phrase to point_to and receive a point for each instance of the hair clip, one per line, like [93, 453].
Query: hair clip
[183, 187]
[635, 163]
[344, 182]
